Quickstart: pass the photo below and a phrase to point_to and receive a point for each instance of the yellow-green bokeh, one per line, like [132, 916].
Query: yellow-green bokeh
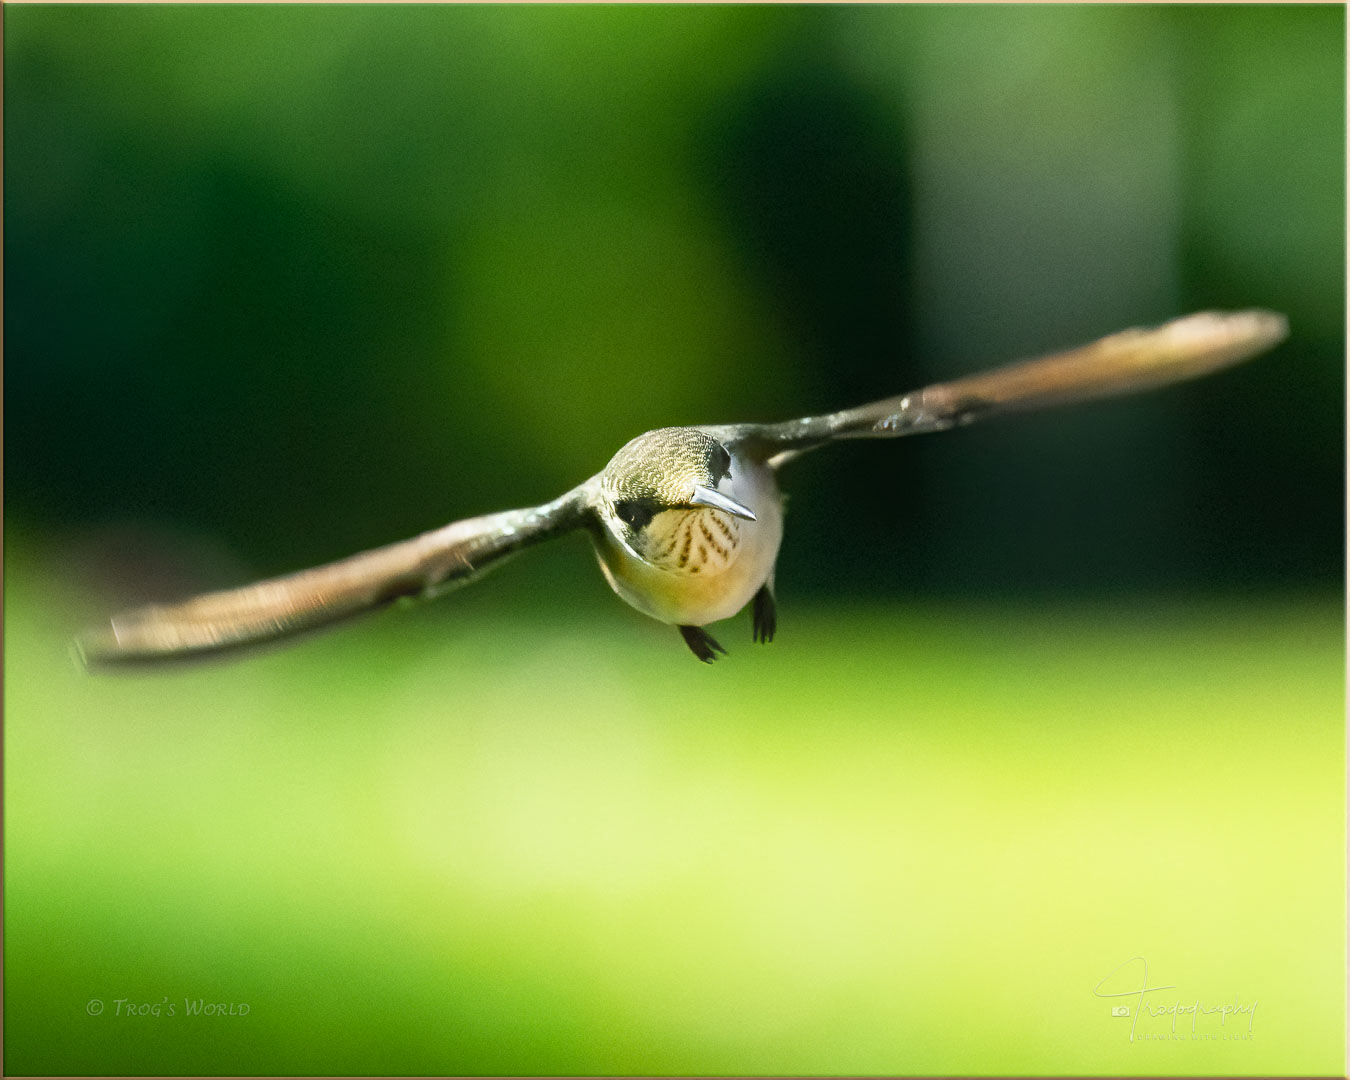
[896, 841]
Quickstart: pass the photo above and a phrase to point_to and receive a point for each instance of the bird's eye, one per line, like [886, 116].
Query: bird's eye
[636, 513]
[719, 463]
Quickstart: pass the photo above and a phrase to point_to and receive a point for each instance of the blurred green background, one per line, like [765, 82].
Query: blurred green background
[283, 283]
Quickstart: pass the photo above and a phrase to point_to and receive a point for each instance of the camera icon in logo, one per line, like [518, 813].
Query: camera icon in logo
[1120, 1010]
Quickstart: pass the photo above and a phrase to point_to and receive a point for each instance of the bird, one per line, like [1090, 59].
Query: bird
[686, 521]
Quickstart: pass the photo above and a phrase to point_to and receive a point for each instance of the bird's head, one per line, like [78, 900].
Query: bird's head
[660, 486]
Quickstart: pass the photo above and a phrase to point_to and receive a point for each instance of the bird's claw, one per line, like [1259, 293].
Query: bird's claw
[701, 643]
[765, 615]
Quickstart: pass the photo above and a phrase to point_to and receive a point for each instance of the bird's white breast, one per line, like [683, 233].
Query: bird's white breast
[701, 565]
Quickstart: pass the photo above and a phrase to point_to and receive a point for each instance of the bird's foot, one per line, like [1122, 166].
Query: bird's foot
[701, 643]
[765, 615]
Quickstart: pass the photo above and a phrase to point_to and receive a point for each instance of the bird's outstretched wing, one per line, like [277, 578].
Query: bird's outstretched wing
[423, 566]
[1120, 364]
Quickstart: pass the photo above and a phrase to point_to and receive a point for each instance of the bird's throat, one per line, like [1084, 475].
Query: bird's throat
[703, 542]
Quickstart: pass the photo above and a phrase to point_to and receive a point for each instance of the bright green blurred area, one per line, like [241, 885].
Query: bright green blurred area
[285, 282]
[578, 851]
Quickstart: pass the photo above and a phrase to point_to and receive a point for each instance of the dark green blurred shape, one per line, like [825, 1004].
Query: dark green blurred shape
[313, 278]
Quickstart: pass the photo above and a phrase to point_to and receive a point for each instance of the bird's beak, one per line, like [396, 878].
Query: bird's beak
[717, 501]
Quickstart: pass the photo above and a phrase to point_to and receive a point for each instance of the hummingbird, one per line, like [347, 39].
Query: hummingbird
[686, 521]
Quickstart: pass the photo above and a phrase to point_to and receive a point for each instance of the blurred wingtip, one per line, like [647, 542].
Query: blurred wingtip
[1259, 328]
[78, 651]
[1209, 341]
[1276, 324]
[90, 648]
[1243, 333]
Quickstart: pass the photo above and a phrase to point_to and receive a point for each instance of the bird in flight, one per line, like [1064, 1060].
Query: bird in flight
[686, 521]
